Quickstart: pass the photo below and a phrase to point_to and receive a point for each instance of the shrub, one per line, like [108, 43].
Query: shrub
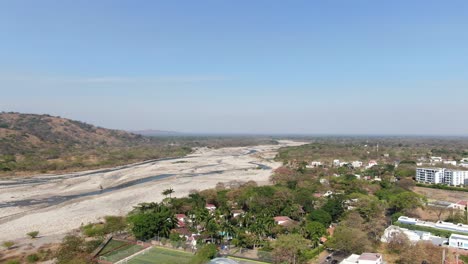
[205, 253]
[8, 244]
[32, 258]
[93, 230]
[33, 234]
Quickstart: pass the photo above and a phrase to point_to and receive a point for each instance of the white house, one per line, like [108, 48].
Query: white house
[364, 258]
[450, 162]
[412, 235]
[336, 163]
[436, 159]
[356, 164]
[458, 241]
[315, 164]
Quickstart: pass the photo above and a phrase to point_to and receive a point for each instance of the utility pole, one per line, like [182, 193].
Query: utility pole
[443, 257]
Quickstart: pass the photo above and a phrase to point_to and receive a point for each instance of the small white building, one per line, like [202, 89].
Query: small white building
[336, 163]
[413, 235]
[364, 258]
[436, 159]
[315, 164]
[450, 162]
[458, 241]
[356, 164]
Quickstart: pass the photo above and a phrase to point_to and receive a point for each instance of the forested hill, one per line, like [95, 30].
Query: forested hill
[30, 142]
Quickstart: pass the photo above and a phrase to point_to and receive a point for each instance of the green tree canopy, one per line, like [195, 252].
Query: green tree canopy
[320, 216]
[156, 220]
[289, 249]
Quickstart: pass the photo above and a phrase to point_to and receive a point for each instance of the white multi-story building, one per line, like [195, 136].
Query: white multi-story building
[442, 175]
[430, 175]
[455, 178]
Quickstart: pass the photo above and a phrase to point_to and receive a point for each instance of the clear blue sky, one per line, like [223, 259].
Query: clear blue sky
[340, 67]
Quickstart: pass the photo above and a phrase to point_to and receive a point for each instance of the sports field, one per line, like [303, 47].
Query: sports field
[162, 256]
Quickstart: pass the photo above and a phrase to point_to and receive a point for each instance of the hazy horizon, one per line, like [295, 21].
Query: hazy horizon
[243, 67]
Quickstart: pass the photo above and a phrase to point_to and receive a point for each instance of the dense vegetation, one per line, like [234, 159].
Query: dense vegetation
[359, 209]
[404, 149]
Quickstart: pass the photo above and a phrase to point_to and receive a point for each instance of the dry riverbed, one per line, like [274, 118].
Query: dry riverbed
[57, 204]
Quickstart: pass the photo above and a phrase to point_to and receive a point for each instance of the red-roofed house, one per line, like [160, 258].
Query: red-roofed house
[460, 205]
[318, 195]
[371, 164]
[181, 220]
[210, 207]
[282, 220]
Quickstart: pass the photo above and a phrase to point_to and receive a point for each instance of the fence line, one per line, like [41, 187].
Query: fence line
[125, 260]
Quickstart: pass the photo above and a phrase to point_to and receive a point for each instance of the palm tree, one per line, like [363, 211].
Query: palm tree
[144, 207]
[167, 192]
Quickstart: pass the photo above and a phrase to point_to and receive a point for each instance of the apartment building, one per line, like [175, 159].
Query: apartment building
[442, 176]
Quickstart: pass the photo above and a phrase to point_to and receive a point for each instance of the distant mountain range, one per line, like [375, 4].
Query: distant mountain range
[152, 132]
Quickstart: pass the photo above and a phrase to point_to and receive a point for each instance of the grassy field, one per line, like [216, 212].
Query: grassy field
[441, 195]
[162, 256]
